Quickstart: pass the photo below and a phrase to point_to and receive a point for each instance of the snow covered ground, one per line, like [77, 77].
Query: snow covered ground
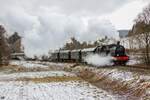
[42, 74]
[37, 64]
[133, 60]
[28, 64]
[58, 84]
[51, 91]
[11, 88]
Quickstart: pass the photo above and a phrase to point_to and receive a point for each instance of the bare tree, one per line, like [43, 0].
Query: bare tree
[75, 44]
[4, 47]
[141, 31]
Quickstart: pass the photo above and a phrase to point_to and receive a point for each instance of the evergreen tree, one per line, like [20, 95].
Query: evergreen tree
[4, 47]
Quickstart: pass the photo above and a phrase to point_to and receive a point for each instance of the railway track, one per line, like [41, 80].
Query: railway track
[137, 66]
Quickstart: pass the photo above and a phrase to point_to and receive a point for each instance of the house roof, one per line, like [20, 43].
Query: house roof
[12, 39]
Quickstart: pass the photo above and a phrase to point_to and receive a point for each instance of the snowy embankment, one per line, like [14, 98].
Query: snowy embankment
[130, 83]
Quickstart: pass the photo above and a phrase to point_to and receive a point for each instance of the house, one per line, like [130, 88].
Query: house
[123, 33]
[17, 50]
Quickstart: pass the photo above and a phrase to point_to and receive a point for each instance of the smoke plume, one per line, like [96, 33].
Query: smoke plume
[48, 24]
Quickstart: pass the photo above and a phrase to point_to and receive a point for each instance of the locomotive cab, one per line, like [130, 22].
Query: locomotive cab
[120, 55]
[102, 50]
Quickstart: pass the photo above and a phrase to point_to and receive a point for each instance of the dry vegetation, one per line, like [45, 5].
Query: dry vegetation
[51, 79]
[133, 89]
[16, 68]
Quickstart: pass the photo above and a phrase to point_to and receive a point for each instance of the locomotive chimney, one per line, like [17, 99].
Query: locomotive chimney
[118, 42]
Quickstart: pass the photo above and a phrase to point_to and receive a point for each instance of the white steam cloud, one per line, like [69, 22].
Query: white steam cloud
[44, 27]
[98, 60]
[50, 31]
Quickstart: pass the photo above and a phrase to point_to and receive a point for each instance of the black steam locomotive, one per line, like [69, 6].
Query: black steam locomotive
[117, 51]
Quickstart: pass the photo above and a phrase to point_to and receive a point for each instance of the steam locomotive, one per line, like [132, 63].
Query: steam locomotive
[117, 52]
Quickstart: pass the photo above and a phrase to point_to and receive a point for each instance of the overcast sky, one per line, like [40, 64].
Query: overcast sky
[48, 24]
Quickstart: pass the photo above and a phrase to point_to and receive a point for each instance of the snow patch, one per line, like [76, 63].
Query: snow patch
[122, 75]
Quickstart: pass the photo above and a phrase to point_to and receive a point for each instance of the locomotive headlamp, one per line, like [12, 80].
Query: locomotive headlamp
[114, 59]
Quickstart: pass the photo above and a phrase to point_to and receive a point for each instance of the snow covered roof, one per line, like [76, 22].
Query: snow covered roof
[89, 49]
[14, 54]
[76, 50]
[64, 51]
